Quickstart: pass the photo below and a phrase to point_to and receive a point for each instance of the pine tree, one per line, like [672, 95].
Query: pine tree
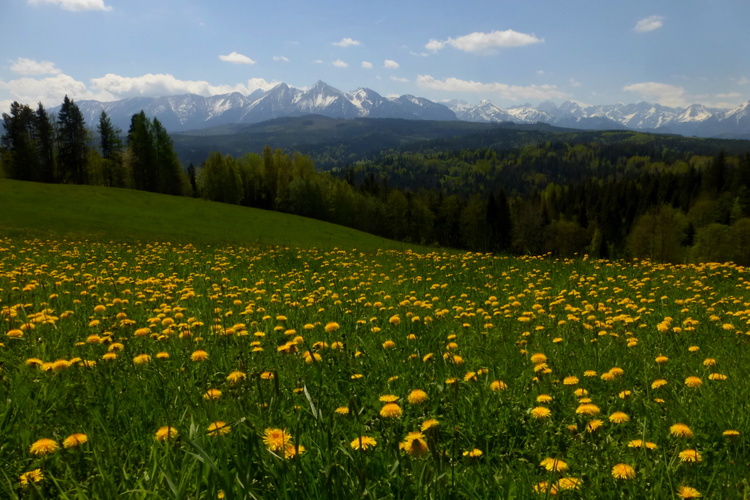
[45, 138]
[141, 152]
[166, 164]
[19, 140]
[71, 143]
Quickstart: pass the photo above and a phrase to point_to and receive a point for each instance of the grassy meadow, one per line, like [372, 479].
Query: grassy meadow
[158, 366]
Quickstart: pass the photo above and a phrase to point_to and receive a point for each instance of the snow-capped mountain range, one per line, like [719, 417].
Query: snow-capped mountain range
[190, 111]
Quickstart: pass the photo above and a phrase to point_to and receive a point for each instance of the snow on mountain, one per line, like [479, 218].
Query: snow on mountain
[184, 112]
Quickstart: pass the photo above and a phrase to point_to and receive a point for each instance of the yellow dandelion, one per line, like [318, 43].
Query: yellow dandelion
[661, 359]
[162, 355]
[342, 410]
[587, 409]
[236, 377]
[658, 383]
[680, 430]
[475, 453]
[623, 471]
[430, 423]
[414, 444]
[619, 417]
[363, 443]
[142, 359]
[199, 355]
[570, 380]
[331, 327]
[165, 433]
[15, 333]
[218, 428]
[276, 439]
[267, 375]
[569, 483]
[730, 433]
[538, 358]
[212, 394]
[693, 382]
[389, 344]
[417, 396]
[388, 398]
[691, 456]
[32, 476]
[544, 398]
[43, 447]
[593, 425]
[545, 488]
[394, 320]
[498, 385]
[589, 373]
[717, 377]
[688, 492]
[541, 412]
[554, 464]
[75, 440]
[390, 410]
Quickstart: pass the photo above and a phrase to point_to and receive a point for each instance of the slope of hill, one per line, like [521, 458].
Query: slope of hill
[55, 210]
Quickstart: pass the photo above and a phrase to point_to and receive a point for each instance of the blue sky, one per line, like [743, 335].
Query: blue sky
[674, 52]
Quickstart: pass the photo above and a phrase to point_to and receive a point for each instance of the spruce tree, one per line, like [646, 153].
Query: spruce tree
[71, 143]
[45, 139]
[19, 140]
[141, 151]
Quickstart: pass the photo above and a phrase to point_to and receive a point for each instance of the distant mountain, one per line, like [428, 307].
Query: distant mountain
[191, 112]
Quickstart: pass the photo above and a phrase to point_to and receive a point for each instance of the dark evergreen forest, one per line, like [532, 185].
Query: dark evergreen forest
[602, 194]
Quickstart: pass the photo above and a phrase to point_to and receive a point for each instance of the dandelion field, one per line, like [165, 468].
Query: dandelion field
[160, 370]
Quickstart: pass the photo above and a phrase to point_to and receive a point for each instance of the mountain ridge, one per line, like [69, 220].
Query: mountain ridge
[181, 113]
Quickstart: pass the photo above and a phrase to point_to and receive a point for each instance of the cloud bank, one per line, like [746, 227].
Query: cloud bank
[485, 42]
[502, 90]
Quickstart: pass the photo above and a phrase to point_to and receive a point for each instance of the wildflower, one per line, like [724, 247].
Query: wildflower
[661, 359]
[236, 377]
[680, 430]
[693, 382]
[608, 376]
[691, 456]
[276, 439]
[658, 383]
[43, 447]
[417, 396]
[363, 443]
[709, 362]
[162, 355]
[619, 417]
[569, 483]
[32, 476]
[342, 410]
[428, 424]
[570, 380]
[141, 359]
[623, 471]
[267, 375]
[291, 451]
[545, 488]
[731, 433]
[414, 444]
[587, 409]
[109, 356]
[199, 355]
[219, 428]
[544, 398]
[165, 433]
[541, 412]
[475, 453]
[498, 385]
[688, 492]
[589, 373]
[390, 410]
[331, 327]
[394, 320]
[593, 425]
[33, 362]
[554, 464]
[212, 394]
[580, 392]
[60, 364]
[717, 377]
[538, 358]
[15, 333]
[311, 357]
[75, 440]
[388, 398]
[389, 344]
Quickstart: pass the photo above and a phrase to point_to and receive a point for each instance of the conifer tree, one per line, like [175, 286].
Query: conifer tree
[19, 140]
[71, 143]
[45, 138]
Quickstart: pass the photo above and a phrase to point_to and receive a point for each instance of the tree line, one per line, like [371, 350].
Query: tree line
[613, 200]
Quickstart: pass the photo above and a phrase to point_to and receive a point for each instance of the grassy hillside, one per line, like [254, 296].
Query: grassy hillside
[110, 213]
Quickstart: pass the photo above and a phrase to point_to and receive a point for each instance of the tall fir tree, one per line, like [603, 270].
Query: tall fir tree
[71, 143]
[141, 152]
[168, 168]
[45, 138]
[19, 140]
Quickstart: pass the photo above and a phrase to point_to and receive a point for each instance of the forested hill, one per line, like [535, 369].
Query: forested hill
[333, 143]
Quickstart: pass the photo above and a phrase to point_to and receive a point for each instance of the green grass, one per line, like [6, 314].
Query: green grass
[28, 208]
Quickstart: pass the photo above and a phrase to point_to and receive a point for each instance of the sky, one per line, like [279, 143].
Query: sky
[510, 52]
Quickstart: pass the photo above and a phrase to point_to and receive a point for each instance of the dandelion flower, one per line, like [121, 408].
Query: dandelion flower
[541, 412]
[219, 428]
[538, 358]
[681, 430]
[570, 380]
[587, 409]
[75, 440]
[593, 425]
[32, 476]
[212, 394]
[691, 456]
[545, 488]
[43, 447]
[363, 443]
[544, 398]
[417, 396]
[661, 359]
[623, 471]
[236, 377]
[619, 417]
[730, 433]
[693, 382]
[475, 453]
[414, 444]
[388, 398]
[331, 327]
[569, 483]
[498, 385]
[658, 383]
[390, 410]
[688, 492]
[199, 355]
[165, 433]
[430, 423]
[342, 410]
[554, 464]
[717, 377]
[276, 439]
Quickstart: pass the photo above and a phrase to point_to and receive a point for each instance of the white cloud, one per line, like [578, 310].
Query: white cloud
[24, 66]
[74, 5]
[743, 81]
[649, 23]
[574, 83]
[662, 93]
[236, 58]
[346, 42]
[390, 64]
[399, 79]
[366, 64]
[502, 90]
[51, 90]
[485, 42]
[281, 58]
[339, 64]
